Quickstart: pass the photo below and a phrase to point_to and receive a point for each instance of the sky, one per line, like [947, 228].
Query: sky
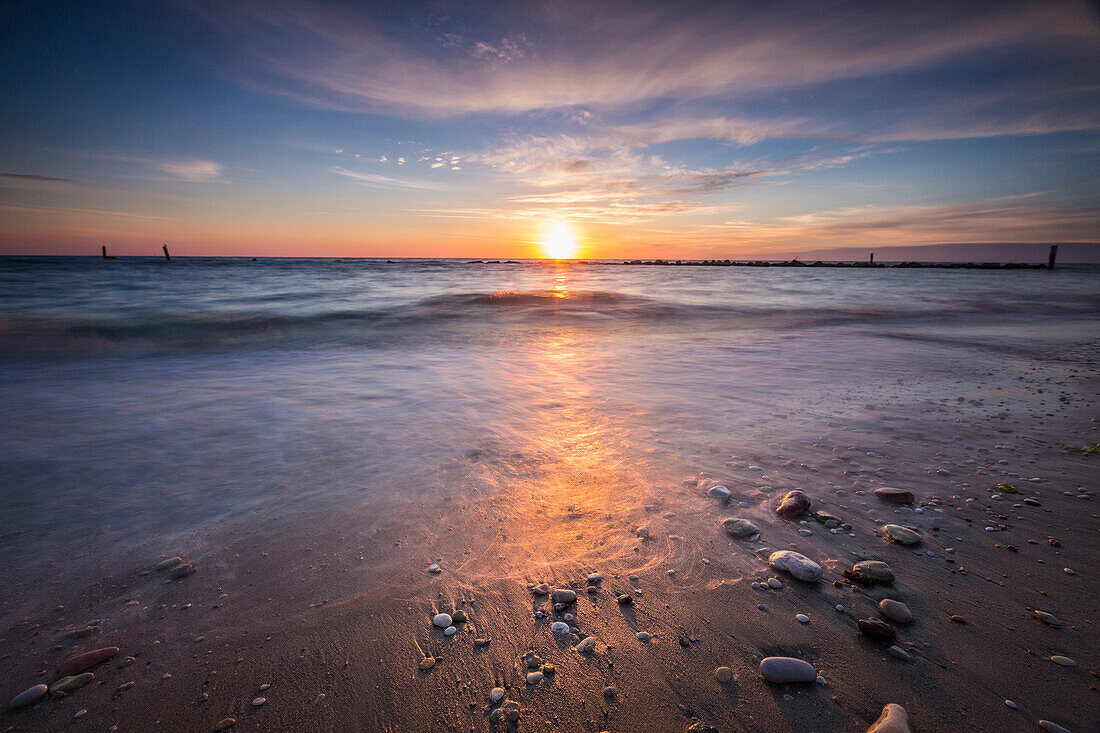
[528, 129]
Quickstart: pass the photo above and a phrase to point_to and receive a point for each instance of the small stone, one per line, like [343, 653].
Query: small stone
[594, 578]
[511, 710]
[80, 713]
[559, 627]
[1048, 619]
[258, 702]
[802, 618]
[442, 620]
[435, 569]
[563, 595]
[587, 645]
[1010, 705]
[740, 528]
[793, 505]
[87, 660]
[893, 720]
[783, 670]
[721, 493]
[775, 583]
[698, 727]
[625, 599]
[549, 669]
[541, 589]
[644, 637]
[496, 695]
[610, 692]
[459, 616]
[320, 696]
[902, 535]
[533, 678]
[896, 611]
[958, 619]
[168, 564]
[723, 674]
[450, 631]
[481, 641]
[225, 724]
[28, 696]
[642, 532]
[1050, 727]
[427, 663]
[870, 572]
[181, 571]
[838, 608]
[65, 685]
[876, 628]
[798, 565]
[1063, 661]
[894, 496]
[898, 653]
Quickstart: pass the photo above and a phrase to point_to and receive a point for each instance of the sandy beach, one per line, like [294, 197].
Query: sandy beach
[317, 595]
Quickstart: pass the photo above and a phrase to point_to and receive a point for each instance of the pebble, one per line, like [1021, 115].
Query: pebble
[450, 631]
[870, 571]
[87, 660]
[802, 618]
[168, 564]
[225, 724]
[80, 713]
[1048, 619]
[181, 571]
[426, 663]
[1063, 661]
[1050, 727]
[721, 493]
[65, 685]
[559, 627]
[258, 702]
[644, 637]
[625, 599]
[480, 641]
[902, 535]
[533, 678]
[895, 610]
[798, 565]
[775, 583]
[442, 620]
[594, 578]
[876, 628]
[587, 645]
[793, 505]
[459, 616]
[782, 670]
[838, 608]
[895, 496]
[28, 696]
[723, 674]
[642, 532]
[541, 589]
[433, 568]
[740, 528]
[894, 719]
[898, 653]
[958, 619]
[563, 595]
[610, 692]
[1010, 705]
[496, 695]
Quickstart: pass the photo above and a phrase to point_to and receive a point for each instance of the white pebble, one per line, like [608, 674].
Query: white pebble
[803, 618]
[450, 631]
[258, 702]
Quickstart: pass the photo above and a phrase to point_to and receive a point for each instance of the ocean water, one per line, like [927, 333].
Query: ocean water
[145, 400]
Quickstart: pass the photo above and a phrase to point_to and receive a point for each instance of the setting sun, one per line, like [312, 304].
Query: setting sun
[560, 242]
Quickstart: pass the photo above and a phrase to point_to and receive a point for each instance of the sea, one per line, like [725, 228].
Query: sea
[144, 400]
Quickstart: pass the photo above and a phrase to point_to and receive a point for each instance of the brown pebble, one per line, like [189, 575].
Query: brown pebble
[482, 642]
[958, 619]
[225, 724]
[87, 660]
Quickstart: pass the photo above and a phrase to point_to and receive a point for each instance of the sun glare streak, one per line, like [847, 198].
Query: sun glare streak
[560, 242]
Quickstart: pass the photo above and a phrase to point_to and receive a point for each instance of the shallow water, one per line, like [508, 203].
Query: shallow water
[145, 398]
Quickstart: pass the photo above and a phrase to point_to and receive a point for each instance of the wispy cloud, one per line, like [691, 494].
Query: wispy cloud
[380, 181]
[194, 171]
[31, 178]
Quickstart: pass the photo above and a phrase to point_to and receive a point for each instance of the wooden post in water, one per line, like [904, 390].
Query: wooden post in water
[872, 260]
[1053, 255]
[166, 255]
[104, 251]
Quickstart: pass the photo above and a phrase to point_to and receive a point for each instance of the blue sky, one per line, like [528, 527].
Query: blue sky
[471, 129]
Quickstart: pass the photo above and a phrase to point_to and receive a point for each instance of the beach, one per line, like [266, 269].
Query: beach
[343, 450]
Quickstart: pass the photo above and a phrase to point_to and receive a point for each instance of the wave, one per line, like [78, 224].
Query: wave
[539, 308]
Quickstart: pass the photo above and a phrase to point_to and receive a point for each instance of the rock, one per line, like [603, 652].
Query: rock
[1031, 502]
[642, 532]
[426, 663]
[625, 599]
[1063, 661]
[798, 565]
[958, 619]
[783, 670]
[65, 685]
[459, 616]
[225, 724]
[511, 710]
[902, 535]
[181, 571]
[563, 595]
[1048, 619]
[644, 637]
[28, 696]
[793, 505]
[541, 589]
[442, 620]
[1050, 727]
[450, 631]
[895, 610]
[898, 653]
[258, 702]
[893, 720]
[168, 564]
[721, 493]
[876, 628]
[481, 641]
[559, 627]
[496, 695]
[894, 496]
[723, 674]
[587, 645]
[610, 691]
[548, 669]
[699, 727]
[434, 569]
[1010, 705]
[594, 578]
[802, 618]
[87, 660]
[533, 678]
[740, 528]
[775, 583]
[870, 572]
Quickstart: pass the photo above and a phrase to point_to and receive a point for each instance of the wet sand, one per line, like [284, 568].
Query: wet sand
[337, 600]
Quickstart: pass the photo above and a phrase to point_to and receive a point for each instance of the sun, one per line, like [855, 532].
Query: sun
[560, 242]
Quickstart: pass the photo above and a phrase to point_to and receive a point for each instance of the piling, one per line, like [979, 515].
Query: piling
[166, 255]
[1053, 256]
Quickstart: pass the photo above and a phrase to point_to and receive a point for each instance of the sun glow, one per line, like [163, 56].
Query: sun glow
[559, 242]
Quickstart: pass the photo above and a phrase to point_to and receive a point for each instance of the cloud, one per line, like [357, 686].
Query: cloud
[31, 178]
[380, 181]
[195, 171]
